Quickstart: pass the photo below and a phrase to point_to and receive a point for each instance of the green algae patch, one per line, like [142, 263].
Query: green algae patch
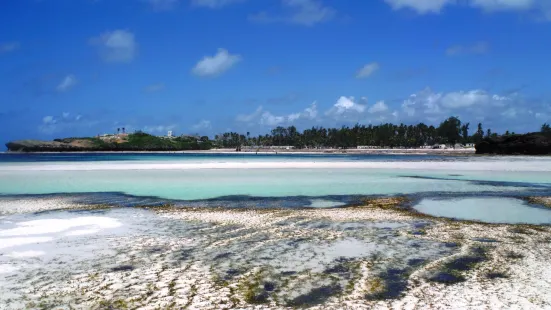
[544, 201]
[454, 270]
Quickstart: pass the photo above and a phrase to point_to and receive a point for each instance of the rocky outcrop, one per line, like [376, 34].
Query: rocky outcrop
[44, 146]
[528, 144]
[135, 142]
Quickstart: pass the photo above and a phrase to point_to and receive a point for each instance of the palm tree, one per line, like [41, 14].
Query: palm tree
[123, 130]
[118, 130]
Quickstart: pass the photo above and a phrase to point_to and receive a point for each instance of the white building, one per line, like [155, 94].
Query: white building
[366, 147]
[282, 147]
[169, 134]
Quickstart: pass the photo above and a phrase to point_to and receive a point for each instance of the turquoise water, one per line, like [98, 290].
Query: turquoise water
[236, 181]
[489, 210]
[199, 157]
[212, 183]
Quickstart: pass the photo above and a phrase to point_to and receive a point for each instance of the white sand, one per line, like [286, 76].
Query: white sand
[262, 238]
[14, 242]
[49, 226]
[30, 253]
[502, 164]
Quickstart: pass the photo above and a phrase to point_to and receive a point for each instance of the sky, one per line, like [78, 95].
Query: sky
[71, 68]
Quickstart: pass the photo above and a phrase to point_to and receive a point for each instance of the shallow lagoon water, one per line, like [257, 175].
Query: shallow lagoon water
[212, 183]
[489, 210]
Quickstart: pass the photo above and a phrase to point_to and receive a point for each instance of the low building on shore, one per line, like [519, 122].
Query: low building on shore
[281, 147]
[367, 147]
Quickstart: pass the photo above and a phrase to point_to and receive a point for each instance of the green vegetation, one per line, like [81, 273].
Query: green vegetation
[138, 141]
[450, 131]
[146, 142]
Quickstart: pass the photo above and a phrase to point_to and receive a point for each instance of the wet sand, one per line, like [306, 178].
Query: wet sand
[372, 256]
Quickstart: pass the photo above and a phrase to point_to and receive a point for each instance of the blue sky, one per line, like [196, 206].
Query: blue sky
[85, 67]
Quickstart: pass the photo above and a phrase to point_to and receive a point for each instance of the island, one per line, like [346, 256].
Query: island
[138, 141]
[450, 135]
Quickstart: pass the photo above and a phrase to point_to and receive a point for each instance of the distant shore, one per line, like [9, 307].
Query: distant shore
[449, 152]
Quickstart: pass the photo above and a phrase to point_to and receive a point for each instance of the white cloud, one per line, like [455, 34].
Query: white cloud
[420, 6]
[117, 46]
[300, 12]
[154, 87]
[309, 12]
[500, 98]
[477, 48]
[309, 113]
[213, 4]
[53, 124]
[540, 115]
[159, 129]
[247, 118]
[203, 124]
[217, 64]
[378, 107]
[367, 70]
[48, 120]
[8, 47]
[67, 83]
[509, 113]
[463, 99]
[267, 118]
[271, 120]
[503, 5]
[541, 7]
[163, 5]
[312, 111]
[436, 105]
[345, 105]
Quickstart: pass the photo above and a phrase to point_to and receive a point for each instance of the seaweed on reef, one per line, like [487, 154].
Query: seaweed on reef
[452, 271]
[497, 275]
[316, 296]
[415, 262]
[123, 268]
[390, 284]
[255, 290]
[222, 256]
[514, 255]
[467, 262]
[447, 277]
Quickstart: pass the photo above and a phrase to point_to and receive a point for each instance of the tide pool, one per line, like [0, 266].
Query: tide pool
[489, 210]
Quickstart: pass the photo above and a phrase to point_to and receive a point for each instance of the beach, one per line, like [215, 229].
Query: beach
[403, 151]
[266, 233]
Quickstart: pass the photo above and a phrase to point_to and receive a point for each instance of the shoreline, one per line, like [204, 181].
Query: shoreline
[452, 152]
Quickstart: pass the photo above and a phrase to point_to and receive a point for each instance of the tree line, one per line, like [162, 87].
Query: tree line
[450, 131]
